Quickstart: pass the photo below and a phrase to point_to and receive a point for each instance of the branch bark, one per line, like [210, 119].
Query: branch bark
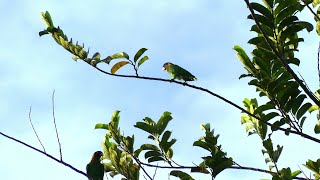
[44, 153]
[213, 94]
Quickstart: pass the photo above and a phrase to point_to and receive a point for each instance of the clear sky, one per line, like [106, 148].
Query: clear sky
[197, 35]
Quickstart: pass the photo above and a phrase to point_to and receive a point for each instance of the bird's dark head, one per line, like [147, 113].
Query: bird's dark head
[166, 65]
[96, 156]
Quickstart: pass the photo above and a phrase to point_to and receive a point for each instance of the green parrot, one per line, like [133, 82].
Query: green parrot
[177, 72]
[95, 169]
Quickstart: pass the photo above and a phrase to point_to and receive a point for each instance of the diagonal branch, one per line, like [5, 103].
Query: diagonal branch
[35, 132]
[213, 94]
[283, 61]
[44, 153]
[55, 125]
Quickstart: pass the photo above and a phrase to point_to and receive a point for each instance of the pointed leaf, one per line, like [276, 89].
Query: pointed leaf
[118, 65]
[304, 108]
[180, 174]
[119, 55]
[163, 122]
[145, 127]
[142, 60]
[96, 56]
[139, 54]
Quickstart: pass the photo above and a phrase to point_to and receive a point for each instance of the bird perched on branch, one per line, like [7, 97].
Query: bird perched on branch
[177, 72]
[95, 169]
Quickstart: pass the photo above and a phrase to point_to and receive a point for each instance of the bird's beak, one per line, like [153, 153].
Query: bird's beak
[163, 69]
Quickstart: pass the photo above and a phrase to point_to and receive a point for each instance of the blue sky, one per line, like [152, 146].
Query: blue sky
[198, 35]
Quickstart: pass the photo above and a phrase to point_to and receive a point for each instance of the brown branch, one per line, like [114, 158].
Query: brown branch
[35, 132]
[55, 125]
[283, 61]
[46, 154]
[213, 94]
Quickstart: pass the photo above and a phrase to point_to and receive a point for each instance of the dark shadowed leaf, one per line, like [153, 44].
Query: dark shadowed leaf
[180, 174]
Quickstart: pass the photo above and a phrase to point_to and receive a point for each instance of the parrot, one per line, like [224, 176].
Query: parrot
[95, 169]
[177, 72]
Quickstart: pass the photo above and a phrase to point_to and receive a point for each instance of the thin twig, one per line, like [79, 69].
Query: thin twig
[55, 126]
[283, 61]
[155, 172]
[44, 153]
[213, 94]
[34, 130]
[303, 172]
[310, 9]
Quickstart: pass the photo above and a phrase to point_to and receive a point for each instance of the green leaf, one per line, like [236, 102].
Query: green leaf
[313, 166]
[152, 153]
[120, 55]
[139, 54]
[180, 174]
[317, 128]
[313, 108]
[298, 102]
[261, 9]
[118, 65]
[243, 57]
[155, 158]
[318, 28]
[296, 173]
[47, 18]
[269, 116]
[149, 147]
[202, 144]
[315, 3]
[41, 33]
[75, 58]
[163, 122]
[96, 56]
[101, 126]
[165, 137]
[142, 60]
[264, 107]
[137, 152]
[304, 108]
[145, 127]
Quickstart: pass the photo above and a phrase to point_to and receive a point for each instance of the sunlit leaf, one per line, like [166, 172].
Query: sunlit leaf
[101, 126]
[118, 65]
[142, 60]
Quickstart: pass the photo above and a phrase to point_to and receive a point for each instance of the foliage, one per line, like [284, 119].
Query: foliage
[79, 52]
[287, 98]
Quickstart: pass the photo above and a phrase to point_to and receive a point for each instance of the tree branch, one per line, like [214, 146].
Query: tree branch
[213, 94]
[285, 65]
[55, 126]
[46, 154]
[35, 132]
[232, 167]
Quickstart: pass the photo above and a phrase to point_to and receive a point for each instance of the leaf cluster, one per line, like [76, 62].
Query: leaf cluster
[80, 53]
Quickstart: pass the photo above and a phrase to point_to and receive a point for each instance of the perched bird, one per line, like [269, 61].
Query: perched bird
[95, 169]
[177, 72]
